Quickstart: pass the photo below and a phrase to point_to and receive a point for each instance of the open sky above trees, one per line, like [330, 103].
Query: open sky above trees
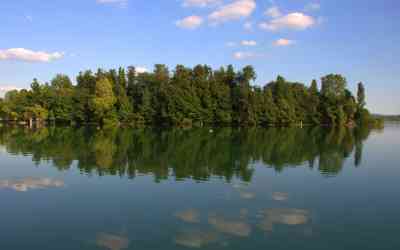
[299, 39]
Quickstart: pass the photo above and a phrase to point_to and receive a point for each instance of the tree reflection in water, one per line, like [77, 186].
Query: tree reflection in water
[187, 154]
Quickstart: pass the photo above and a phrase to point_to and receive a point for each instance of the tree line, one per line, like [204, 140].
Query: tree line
[196, 96]
[389, 118]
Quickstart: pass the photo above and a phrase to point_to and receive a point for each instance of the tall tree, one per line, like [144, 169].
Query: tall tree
[61, 108]
[244, 108]
[122, 105]
[103, 100]
[360, 95]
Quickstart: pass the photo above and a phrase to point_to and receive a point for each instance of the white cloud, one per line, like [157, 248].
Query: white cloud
[141, 70]
[5, 88]
[121, 3]
[248, 43]
[284, 42]
[29, 55]
[242, 43]
[273, 12]
[312, 7]
[233, 11]
[295, 21]
[200, 3]
[29, 18]
[248, 26]
[246, 55]
[190, 22]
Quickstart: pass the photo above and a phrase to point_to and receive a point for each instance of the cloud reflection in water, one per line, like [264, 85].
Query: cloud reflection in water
[25, 184]
[196, 238]
[285, 216]
[235, 228]
[111, 241]
[279, 196]
[189, 216]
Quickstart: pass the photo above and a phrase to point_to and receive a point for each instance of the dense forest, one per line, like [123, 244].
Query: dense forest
[228, 153]
[199, 96]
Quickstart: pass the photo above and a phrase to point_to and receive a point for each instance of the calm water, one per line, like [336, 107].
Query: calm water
[63, 188]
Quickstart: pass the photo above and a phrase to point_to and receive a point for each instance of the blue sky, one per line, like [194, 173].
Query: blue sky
[299, 39]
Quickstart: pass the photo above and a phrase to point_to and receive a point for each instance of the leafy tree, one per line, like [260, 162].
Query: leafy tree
[103, 101]
[84, 92]
[220, 90]
[2, 109]
[314, 103]
[61, 106]
[36, 112]
[350, 107]
[61, 82]
[270, 110]
[122, 105]
[333, 86]
[242, 106]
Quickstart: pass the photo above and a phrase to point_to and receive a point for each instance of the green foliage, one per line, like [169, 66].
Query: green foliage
[103, 101]
[36, 112]
[333, 86]
[197, 96]
[61, 105]
[313, 104]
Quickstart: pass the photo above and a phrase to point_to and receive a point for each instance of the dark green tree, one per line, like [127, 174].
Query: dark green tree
[361, 95]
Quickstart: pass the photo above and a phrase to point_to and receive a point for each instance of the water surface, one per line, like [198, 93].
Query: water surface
[292, 188]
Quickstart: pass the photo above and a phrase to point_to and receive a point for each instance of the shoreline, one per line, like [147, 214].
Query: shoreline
[374, 124]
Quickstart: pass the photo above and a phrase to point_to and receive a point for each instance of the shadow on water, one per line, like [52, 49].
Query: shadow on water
[187, 154]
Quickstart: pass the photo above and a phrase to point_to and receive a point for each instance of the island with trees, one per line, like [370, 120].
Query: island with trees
[198, 96]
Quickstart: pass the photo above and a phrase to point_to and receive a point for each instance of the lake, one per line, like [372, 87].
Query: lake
[288, 188]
